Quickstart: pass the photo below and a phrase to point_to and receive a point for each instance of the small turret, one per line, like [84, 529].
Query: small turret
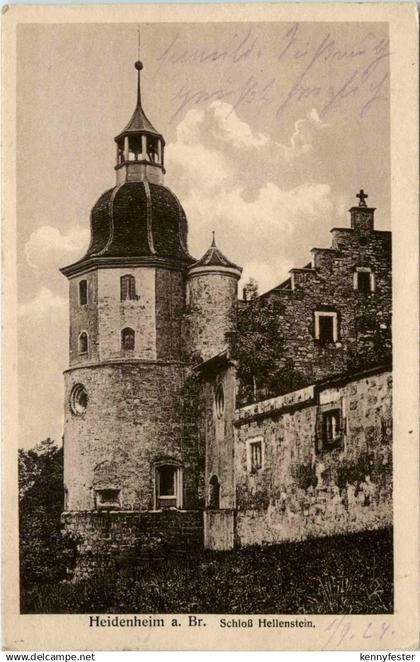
[140, 148]
[212, 294]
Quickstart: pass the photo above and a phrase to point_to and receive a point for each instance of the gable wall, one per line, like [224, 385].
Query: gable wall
[364, 319]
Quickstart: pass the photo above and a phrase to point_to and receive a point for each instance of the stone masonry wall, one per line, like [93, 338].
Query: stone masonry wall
[84, 318]
[107, 538]
[105, 315]
[114, 315]
[364, 319]
[170, 306]
[218, 433]
[300, 492]
[133, 419]
[211, 313]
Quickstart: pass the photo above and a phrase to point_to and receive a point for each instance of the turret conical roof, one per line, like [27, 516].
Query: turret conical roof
[213, 259]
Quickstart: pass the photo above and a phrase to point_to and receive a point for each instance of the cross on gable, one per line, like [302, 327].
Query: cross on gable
[362, 198]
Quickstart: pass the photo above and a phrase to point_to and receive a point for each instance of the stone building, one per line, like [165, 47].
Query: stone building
[171, 436]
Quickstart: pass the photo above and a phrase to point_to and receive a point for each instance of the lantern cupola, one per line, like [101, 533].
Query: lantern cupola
[140, 147]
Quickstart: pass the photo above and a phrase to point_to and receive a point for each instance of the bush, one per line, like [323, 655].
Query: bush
[306, 476]
[347, 574]
[45, 554]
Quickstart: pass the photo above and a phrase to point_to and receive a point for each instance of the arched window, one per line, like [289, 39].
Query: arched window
[128, 287]
[219, 401]
[83, 292]
[214, 496]
[127, 339]
[83, 343]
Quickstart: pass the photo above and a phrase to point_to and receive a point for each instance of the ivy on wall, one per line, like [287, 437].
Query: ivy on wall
[263, 371]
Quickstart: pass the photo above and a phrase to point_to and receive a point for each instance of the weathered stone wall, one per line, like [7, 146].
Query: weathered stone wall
[364, 319]
[133, 419]
[211, 312]
[109, 537]
[218, 433]
[84, 318]
[105, 315]
[170, 306]
[114, 315]
[219, 529]
[300, 492]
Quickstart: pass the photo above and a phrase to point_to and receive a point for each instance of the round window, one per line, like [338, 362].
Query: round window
[220, 401]
[78, 399]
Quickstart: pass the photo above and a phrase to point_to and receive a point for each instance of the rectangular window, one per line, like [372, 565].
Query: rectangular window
[331, 429]
[254, 455]
[326, 329]
[108, 498]
[168, 486]
[326, 326]
[83, 292]
[363, 281]
[128, 288]
[167, 481]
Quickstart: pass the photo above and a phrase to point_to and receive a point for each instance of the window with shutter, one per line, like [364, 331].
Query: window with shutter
[255, 455]
[329, 428]
[128, 288]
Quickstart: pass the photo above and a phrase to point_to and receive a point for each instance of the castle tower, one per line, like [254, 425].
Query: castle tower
[212, 295]
[123, 446]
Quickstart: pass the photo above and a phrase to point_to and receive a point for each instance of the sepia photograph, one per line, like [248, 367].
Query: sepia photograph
[204, 287]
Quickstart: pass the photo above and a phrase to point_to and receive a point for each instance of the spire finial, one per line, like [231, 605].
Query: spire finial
[213, 243]
[139, 66]
[362, 198]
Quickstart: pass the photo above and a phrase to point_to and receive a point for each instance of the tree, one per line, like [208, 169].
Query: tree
[263, 370]
[44, 553]
[250, 290]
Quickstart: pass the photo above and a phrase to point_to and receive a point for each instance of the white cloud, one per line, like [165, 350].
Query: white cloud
[47, 246]
[43, 355]
[231, 129]
[267, 235]
[218, 125]
[303, 137]
[265, 226]
[196, 166]
[44, 303]
[219, 122]
[265, 273]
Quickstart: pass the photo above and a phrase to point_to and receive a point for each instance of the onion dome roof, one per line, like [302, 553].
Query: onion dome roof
[136, 220]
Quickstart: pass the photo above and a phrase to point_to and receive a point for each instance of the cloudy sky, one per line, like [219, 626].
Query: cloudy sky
[271, 129]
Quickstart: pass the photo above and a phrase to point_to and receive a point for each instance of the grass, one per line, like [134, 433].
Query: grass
[348, 574]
